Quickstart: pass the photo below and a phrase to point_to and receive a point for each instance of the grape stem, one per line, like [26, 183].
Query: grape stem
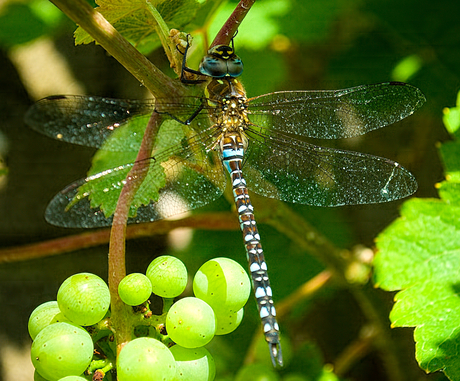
[167, 303]
[117, 265]
[101, 366]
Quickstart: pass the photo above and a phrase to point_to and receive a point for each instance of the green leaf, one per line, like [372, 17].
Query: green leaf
[420, 255]
[321, 15]
[135, 22]
[115, 164]
[451, 119]
[450, 153]
[449, 191]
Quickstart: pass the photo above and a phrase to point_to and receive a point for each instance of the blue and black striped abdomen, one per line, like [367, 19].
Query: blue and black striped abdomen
[232, 158]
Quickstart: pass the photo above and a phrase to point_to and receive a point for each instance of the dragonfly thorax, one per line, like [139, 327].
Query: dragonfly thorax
[218, 90]
[231, 116]
[228, 102]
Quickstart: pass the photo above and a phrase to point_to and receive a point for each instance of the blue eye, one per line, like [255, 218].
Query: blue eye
[221, 62]
[234, 67]
[213, 67]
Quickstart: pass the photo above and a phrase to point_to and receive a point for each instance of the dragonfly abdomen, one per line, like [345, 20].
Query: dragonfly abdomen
[232, 153]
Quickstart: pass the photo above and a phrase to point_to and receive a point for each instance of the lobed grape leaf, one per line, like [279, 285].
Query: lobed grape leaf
[420, 255]
[134, 21]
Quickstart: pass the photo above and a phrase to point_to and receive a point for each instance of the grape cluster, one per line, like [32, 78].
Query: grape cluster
[73, 338]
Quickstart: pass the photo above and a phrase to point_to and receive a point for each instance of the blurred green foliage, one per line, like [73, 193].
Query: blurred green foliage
[23, 22]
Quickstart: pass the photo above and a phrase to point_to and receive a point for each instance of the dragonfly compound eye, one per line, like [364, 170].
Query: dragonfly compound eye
[213, 67]
[221, 62]
[235, 67]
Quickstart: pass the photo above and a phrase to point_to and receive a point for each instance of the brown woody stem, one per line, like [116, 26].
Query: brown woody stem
[117, 268]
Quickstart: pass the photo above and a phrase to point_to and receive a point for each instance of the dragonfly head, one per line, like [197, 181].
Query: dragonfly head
[221, 61]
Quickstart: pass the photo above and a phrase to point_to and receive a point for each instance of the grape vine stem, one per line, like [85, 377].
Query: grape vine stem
[117, 266]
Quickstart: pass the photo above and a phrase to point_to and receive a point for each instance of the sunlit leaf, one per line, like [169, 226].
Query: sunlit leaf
[420, 255]
[135, 22]
[451, 117]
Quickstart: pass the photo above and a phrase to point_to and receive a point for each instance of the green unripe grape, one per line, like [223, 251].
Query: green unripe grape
[223, 284]
[195, 364]
[134, 289]
[61, 349]
[227, 322]
[84, 298]
[168, 276]
[145, 358]
[44, 315]
[191, 323]
[73, 378]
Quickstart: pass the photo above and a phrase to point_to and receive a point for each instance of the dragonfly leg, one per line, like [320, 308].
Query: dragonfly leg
[186, 69]
[188, 120]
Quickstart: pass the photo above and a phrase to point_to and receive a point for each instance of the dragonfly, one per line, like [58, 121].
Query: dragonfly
[265, 144]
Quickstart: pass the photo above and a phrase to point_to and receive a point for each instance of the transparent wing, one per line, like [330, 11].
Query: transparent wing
[181, 177]
[90, 121]
[299, 172]
[335, 114]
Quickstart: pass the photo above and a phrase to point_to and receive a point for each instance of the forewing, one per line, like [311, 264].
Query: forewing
[89, 120]
[335, 114]
[83, 120]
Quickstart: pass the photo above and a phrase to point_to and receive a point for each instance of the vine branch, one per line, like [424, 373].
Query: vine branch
[114, 43]
[117, 266]
[230, 28]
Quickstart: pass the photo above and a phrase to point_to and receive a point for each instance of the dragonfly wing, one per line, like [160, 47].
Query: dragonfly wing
[180, 178]
[83, 120]
[299, 172]
[90, 121]
[335, 114]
